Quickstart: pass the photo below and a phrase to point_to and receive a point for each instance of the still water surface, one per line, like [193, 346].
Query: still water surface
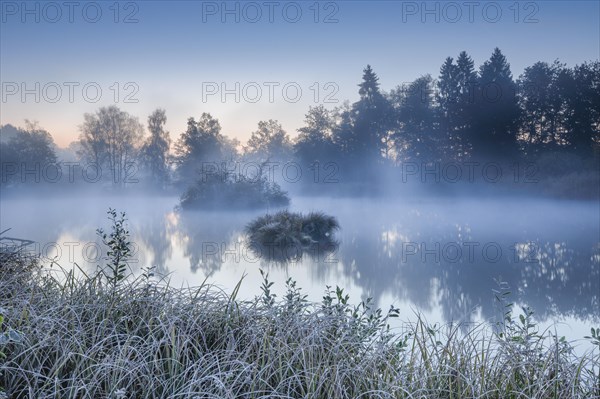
[440, 257]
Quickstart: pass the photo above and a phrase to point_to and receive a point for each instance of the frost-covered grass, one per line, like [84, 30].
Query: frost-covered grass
[77, 337]
[106, 335]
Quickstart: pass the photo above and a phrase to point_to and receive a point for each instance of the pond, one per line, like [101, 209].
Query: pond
[439, 257]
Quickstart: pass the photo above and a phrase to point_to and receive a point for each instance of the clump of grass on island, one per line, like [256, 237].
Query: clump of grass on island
[110, 335]
[285, 235]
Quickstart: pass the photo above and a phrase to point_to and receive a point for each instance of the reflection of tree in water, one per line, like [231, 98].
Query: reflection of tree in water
[208, 238]
[372, 254]
[377, 270]
[278, 255]
[563, 278]
[555, 271]
[319, 260]
[155, 233]
[554, 278]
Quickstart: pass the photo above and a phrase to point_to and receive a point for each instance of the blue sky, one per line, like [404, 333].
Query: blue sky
[176, 51]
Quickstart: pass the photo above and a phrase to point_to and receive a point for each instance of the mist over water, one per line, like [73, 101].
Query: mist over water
[439, 256]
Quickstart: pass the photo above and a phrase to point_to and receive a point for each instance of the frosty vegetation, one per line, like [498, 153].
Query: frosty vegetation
[109, 334]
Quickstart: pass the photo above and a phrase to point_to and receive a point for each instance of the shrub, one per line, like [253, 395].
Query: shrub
[222, 190]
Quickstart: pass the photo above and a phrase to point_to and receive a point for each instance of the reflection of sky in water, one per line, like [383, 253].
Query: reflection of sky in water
[436, 257]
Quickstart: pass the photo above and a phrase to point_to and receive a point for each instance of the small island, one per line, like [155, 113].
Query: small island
[286, 235]
[234, 192]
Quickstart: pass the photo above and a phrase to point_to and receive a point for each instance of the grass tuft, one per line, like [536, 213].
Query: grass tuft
[285, 235]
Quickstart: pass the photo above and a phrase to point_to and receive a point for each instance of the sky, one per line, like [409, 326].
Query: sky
[249, 61]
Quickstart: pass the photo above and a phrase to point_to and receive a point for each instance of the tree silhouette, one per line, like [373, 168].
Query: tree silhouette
[543, 103]
[583, 115]
[451, 122]
[155, 150]
[110, 138]
[25, 150]
[315, 142]
[372, 120]
[269, 141]
[416, 136]
[202, 142]
[497, 110]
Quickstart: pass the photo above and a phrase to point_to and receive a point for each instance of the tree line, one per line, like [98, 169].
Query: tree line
[464, 114]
